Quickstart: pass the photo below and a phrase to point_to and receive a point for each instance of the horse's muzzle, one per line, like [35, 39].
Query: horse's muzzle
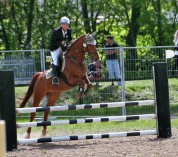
[95, 57]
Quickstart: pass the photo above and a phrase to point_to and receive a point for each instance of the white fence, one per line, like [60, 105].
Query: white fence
[25, 63]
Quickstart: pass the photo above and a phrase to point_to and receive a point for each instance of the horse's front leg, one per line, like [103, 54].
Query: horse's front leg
[89, 84]
[81, 92]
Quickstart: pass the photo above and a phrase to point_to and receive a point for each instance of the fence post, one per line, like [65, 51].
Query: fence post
[162, 99]
[7, 107]
[42, 54]
[122, 78]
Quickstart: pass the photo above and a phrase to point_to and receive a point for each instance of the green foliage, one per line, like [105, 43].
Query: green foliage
[28, 23]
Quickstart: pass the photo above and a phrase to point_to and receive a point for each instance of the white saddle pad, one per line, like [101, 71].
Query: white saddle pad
[49, 73]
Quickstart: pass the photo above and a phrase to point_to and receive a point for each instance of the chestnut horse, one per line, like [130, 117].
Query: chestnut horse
[75, 72]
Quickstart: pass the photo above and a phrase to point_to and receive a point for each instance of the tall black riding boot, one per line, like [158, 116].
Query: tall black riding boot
[55, 80]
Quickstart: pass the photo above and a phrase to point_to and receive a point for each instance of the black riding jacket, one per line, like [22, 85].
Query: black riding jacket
[57, 37]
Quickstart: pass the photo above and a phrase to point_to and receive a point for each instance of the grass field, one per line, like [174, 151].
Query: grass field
[91, 128]
[135, 90]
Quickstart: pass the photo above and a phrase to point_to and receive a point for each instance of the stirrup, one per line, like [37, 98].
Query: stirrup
[55, 81]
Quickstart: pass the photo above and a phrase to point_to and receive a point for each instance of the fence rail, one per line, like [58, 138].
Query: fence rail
[135, 64]
[137, 61]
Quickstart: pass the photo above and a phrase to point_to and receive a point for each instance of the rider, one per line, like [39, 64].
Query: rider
[58, 40]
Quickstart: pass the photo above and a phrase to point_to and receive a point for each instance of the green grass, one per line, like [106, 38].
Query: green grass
[135, 90]
[104, 127]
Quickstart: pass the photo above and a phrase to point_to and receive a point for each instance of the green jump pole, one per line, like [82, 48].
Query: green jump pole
[7, 107]
[162, 99]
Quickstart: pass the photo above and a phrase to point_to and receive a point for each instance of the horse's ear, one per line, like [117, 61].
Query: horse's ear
[93, 34]
[87, 35]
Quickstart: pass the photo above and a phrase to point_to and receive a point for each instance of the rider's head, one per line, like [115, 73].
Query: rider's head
[64, 23]
[97, 64]
[109, 39]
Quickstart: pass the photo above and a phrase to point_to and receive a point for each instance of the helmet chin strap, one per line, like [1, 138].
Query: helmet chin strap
[63, 28]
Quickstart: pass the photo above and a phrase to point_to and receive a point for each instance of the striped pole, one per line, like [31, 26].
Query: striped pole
[87, 120]
[87, 137]
[86, 106]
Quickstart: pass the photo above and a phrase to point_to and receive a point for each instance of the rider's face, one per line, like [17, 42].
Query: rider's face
[65, 26]
[109, 41]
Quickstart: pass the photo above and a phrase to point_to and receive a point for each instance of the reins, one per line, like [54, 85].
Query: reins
[72, 48]
[76, 53]
[73, 58]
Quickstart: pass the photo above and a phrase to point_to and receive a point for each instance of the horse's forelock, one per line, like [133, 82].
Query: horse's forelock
[75, 40]
[90, 39]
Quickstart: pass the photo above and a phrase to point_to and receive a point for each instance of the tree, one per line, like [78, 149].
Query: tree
[29, 10]
[133, 12]
[3, 16]
[27, 24]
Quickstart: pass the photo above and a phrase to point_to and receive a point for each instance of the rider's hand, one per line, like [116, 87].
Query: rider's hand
[64, 47]
[63, 42]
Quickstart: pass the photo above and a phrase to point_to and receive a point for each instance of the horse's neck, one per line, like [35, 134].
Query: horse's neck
[76, 53]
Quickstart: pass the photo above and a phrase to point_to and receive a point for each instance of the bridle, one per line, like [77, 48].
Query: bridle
[87, 40]
[92, 41]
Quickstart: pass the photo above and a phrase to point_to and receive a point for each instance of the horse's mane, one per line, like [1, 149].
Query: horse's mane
[74, 41]
[89, 39]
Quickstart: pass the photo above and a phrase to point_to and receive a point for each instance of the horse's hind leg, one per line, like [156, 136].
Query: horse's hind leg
[51, 98]
[32, 116]
[38, 96]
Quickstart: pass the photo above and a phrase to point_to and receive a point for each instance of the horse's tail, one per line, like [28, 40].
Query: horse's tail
[30, 90]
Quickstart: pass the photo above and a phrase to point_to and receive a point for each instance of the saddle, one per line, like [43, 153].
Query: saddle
[61, 61]
[61, 75]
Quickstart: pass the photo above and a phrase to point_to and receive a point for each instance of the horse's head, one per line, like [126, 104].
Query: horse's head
[90, 46]
[81, 45]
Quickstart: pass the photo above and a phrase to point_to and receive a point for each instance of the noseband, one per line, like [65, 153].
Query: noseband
[91, 41]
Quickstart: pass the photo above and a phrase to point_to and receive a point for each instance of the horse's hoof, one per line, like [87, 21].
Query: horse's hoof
[19, 114]
[43, 133]
[78, 96]
[27, 136]
[43, 136]
[84, 94]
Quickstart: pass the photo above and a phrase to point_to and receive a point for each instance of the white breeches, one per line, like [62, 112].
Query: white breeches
[55, 54]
